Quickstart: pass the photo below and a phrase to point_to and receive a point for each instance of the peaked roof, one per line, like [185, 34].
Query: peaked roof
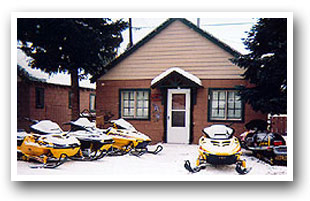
[157, 31]
[180, 71]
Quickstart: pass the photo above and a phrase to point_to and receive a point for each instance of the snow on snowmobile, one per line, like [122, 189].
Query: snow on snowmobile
[267, 146]
[218, 146]
[94, 143]
[128, 140]
[46, 144]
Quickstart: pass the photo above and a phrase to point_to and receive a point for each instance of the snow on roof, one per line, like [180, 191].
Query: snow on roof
[178, 70]
[267, 55]
[55, 78]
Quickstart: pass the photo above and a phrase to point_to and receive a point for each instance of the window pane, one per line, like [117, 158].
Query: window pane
[140, 95]
[234, 114]
[178, 119]
[131, 103]
[125, 95]
[178, 101]
[221, 104]
[139, 112]
[215, 95]
[145, 113]
[146, 104]
[222, 95]
[140, 104]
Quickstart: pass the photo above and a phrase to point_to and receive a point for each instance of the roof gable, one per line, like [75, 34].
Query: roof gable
[155, 34]
[195, 81]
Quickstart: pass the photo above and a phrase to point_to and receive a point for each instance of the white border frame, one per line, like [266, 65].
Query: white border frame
[191, 177]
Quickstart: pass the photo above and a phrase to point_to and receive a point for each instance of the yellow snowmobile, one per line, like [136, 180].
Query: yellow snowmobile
[47, 144]
[128, 140]
[218, 146]
[94, 143]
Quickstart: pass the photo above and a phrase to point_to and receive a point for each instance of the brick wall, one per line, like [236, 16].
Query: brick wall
[108, 101]
[56, 103]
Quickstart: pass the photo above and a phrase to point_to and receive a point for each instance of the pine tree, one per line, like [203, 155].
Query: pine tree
[266, 66]
[79, 46]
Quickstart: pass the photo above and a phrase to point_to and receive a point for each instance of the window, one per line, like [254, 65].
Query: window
[225, 104]
[39, 98]
[135, 103]
[70, 99]
[92, 102]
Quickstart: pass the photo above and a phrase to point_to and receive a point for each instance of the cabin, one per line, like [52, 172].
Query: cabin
[37, 99]
[173, 83]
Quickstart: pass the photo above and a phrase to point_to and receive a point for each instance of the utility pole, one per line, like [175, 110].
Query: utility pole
[198, 22]
[130, 34]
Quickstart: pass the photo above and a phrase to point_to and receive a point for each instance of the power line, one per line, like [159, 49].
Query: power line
[216, 24]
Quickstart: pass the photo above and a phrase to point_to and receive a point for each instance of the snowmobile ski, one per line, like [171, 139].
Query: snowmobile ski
[158, 149]
[187, 166]
[51, 165]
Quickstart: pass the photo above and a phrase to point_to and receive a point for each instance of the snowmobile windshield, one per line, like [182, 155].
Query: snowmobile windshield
[123, 124]
[46, 127]
[218, 132]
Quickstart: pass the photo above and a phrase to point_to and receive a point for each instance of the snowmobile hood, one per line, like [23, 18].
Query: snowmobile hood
[21, 135]
[62, 141]
[224, 147]
[124, 124]
[128, 134]
[46, 127]
[86, 135]
[218, 132]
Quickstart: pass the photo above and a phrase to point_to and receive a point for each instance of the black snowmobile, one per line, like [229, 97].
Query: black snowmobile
[267, 146]
[94, 143]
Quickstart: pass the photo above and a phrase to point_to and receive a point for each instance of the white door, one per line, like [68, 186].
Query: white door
[178, 114]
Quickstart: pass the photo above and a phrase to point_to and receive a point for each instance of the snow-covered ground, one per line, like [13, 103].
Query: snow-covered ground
[168, 163]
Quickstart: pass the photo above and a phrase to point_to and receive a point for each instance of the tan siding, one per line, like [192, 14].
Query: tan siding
[176, 46]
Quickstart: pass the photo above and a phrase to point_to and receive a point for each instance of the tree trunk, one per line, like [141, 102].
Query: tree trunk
[75, 99]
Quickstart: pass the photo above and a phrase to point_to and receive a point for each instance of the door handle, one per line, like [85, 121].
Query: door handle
[168, 117]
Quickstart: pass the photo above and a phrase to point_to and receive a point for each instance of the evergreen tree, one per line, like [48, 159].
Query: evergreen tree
[266, 66]
[79, 46]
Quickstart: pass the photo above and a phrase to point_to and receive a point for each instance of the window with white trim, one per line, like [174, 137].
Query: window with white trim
[135, 103]
[225, 105]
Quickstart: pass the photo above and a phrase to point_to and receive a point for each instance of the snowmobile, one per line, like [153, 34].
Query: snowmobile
[94, 143]
[267, 146]
[218, 146]
[128, 140]
[46, 144]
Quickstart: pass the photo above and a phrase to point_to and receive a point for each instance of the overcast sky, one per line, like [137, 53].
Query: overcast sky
[227, 30]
